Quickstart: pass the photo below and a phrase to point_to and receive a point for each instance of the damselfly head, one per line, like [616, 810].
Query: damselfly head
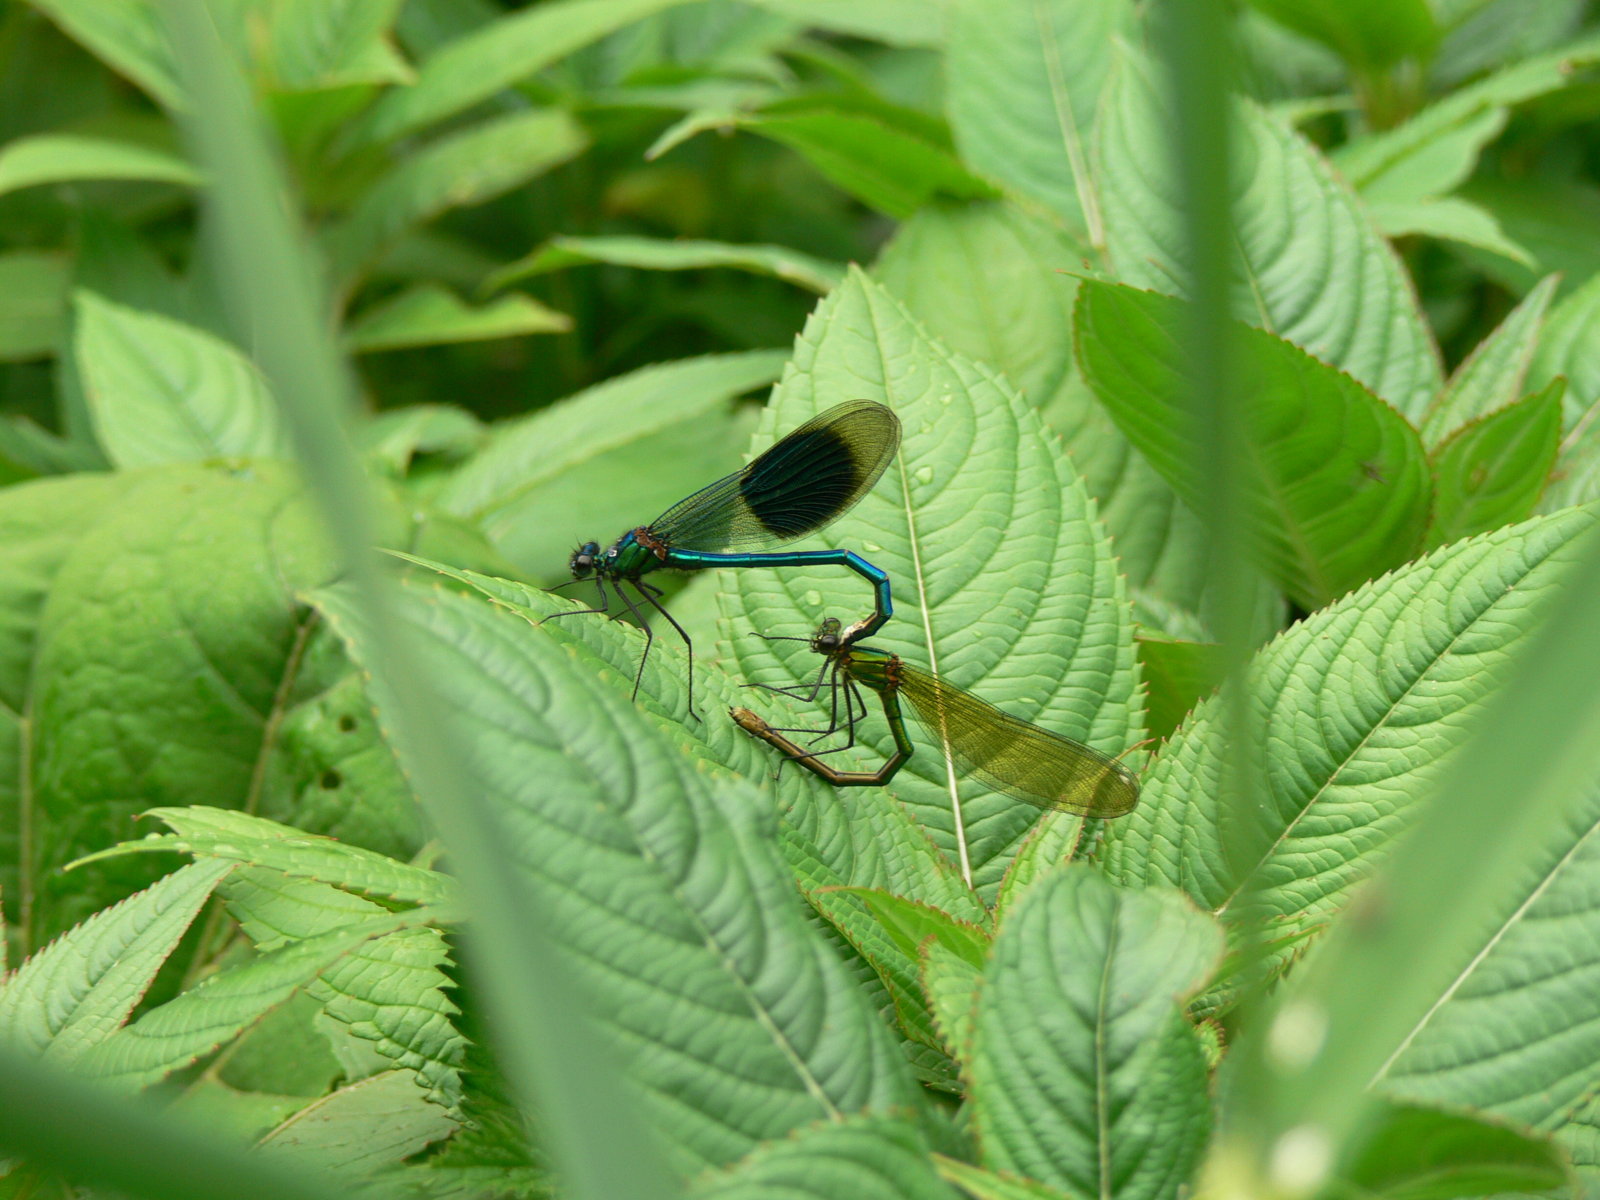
[826, 639]
[583, 559]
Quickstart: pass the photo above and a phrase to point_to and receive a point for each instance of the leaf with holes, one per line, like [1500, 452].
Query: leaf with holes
[977, 523]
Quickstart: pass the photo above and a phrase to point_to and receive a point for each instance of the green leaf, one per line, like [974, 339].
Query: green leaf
[1491, 472]
[1339, 489]
[1177, 676]
[1085, 1074]
[316, 44]
[973, 522]
[161, 391]
[888, 167]
[1023, 89]
[983, 1184]
[389, 993]
[615, 455]
[1451, 219]
[864, 1158]
[428, 315]
[911, 923]
[129, 707]
[460, 169]
[1569, 346]
[1312, 268]
[991, 282]
[660, 254]
[39, 525]
[242, 838]
[898, 22]
[663, 884]
[950, 984]
[127, 36]
[1368, 34]
[1492, 376]
[1346, 763]
[1552, 219]
[181, 1031]
[398, 436]
[1434, 151]
[498, 54]
[367, 1125]
[1427, 1154]
[33, 304]
[78, 990]
[68, 158]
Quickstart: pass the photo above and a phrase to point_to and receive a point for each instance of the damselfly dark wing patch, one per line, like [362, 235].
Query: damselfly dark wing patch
[802, 483]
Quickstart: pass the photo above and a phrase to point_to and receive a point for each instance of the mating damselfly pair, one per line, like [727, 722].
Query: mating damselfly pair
[798, 486]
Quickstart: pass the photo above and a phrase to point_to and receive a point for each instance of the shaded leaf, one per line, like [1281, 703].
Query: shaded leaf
[315, 44]
[1177, 676]
[950, 984]
[1491, 472]
[661, 254]
[1427, 1154]
[865, 1158]
[427, 315]
[1569, 346]
[127, 35]
[1450, 219]
[160, 391]
[898, 22]
[33, 304]
[363, 1126]
[1338, 490]
[1368, 34]
[984, 1184]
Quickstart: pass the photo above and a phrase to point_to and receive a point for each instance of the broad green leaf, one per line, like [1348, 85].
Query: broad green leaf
[1492, 376]
[242, 838]
[1024, 85]
[283, 1054]
[977, 522]
[390, 993]
[1579, 1135]
[194, 567]
[1339, 491]
[1569, 346]
[1177, 676]
[373, 1123]
[1511, 1032]
[1368, 34]
[68, 158]
[124, 34]
[991, 282]
[428, 315]
[40, 523]
[731, 1014]
[1450, 219]
[864, 1158]
[1362, 705]
[497, 55]
[910, 923]
[80, 988]
[1085, 1074]
[887, 167]
[462, 168]
[1491, 471]
[830, 837]
[1576, 478]
[315, 44]
[1311, 266]
[161, 391]
[660, 254]
[1437, 149]
[181, 1031]
[33, 304]
[898, 22]
[1427, 1154]
[398, 436]
[607, 459]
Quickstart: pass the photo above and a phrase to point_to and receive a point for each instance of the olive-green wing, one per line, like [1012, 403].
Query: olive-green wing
[1014, 757]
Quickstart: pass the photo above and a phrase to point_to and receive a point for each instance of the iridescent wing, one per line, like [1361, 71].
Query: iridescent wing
[801, 483]
[1014, 757]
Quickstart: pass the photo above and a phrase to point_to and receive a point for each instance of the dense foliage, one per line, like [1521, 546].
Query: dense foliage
[570, 247]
